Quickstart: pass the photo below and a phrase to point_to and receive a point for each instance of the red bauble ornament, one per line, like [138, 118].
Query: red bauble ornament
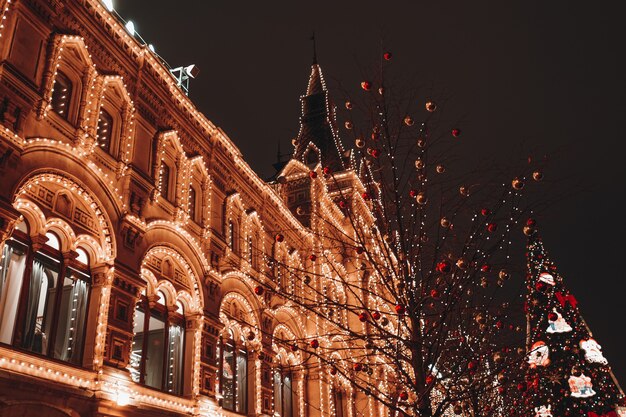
[387, 56]
[521, 387]
[540, 286]
[333, 371]
[366, 85]
[404, 395]
[343, 204]
[413, 193]
[327, 171]
[531, 222]
[313, 174]
[400, 309]
[491, 227]
[358, 367]
[429, 379]
[434, 293]
[366, 196]
[360, 250]
[279, 237]
[499, 325]
[313, 257]
[375, 153]
[258, 290]
[485, 212]
[485, 268]
[472, 365]
[315, 344]
[363, 317]
[552, 316]
[376, 315]
[294, 347]
[456, 132]
[444, 267]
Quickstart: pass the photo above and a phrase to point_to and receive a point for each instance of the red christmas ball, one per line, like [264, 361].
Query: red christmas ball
[327, 171]
[485, 212]
[472, 365]
[456, 132]
[366, 85]
[485, 268]
[360, 250]
[343, 204]
[413, 193]
[444, 267]
[400, 309]
[540, 286]
[358, 367]
[366, 196]
[313, 174]
[434, 293]
[294, 348]
[499, 325]
[387, 56]
[429, 379]
[521, 387]
[491, 227]
[552, 316]
[280, 237]
[531, 222]
[376, 315]
[315, 344]
[375, 153]
[313, 257]
[333, 371]
[363, 317]
[258, 290]
[404, 396]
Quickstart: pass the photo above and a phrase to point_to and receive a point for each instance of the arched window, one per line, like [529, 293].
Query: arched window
[43, 298]
[339, 401]
[283, 393]
[165, 181]
[61, 95]
[104, 133]
[157, 355]
[234, 376]
[192, 204]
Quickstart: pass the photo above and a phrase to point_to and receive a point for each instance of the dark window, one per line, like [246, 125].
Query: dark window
[53, 297]
[234, 378]
[104, 132]
[157, 355]
[61, 95]
[233, 236]
[192, 204]
[165, 181]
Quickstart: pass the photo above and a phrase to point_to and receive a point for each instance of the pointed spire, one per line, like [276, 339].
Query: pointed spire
[314, 49]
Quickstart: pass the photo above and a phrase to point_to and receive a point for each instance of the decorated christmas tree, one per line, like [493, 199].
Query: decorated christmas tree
[567, 374]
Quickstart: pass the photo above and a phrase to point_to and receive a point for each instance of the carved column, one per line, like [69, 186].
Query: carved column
[97, 317]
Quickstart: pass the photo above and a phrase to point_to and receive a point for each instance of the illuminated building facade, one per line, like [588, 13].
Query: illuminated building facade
[133, 235]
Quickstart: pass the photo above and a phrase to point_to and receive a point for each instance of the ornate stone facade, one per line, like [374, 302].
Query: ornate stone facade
[133, 236]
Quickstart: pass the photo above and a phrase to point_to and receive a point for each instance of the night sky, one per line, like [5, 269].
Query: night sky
[540, 77]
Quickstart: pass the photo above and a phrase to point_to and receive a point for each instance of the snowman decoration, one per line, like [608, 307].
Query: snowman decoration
[593, 351]
[547, 278]
[580, 386]
[539, 355]
[559, 325]
[543, 411]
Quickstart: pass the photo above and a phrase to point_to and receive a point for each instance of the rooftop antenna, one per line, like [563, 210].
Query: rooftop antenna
[184, 74]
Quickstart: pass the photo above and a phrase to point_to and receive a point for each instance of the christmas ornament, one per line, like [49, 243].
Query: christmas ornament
[419, 164]
[485, 212]
[456, 132]
[376, 315]
[300, 210]
[327, 171]
[421, 143]
[315, 344]
[375, 153]
[312, 174]
[408, 120]
[279, 238]
[363, 317]
[491, 227]
[349, 105]
[360, 143]
[313, 257]
[431, 106]
[358, 367]
[593, 351]
[366, 196]
[503, 274]
[580, 386]
[421, 198]
[258, 290]
[464, 191]
[333, 371]
[294, 348]
[387, 56]
[537, 175]
[348, 124]
[443, 267]
[539, 355]
[400, 309]
[557, 324]
[440, 169]
[366, 85]
[445, 223]
[517, 184]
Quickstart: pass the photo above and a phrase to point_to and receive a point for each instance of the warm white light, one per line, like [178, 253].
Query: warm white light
[122, 398]
[130, 27]
[151, 47]
[108, 4]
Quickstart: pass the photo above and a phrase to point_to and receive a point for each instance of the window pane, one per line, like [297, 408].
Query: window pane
[72, 314]
[104, 133]
[192, 203]
[40, 306]
[11, 277]
[278, 394]
[61, 95]
[165, 181]
[175, 359]
[287, 396]
[136, 352]
[242, 382]
[228, 378]
[155, 351]
[53, 241]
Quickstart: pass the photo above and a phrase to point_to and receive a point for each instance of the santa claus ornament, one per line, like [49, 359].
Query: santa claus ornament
[539, 355]
[593, 351]
[557, 324]
[543, 411]
[580, 386]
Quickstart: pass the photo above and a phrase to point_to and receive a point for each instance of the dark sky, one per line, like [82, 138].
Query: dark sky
[548, 75]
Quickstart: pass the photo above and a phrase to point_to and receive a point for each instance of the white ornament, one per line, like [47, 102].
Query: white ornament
[547, 278]
[543, 411]
[559, 325]
[593, 351]
[581, 386]
[539, 355]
